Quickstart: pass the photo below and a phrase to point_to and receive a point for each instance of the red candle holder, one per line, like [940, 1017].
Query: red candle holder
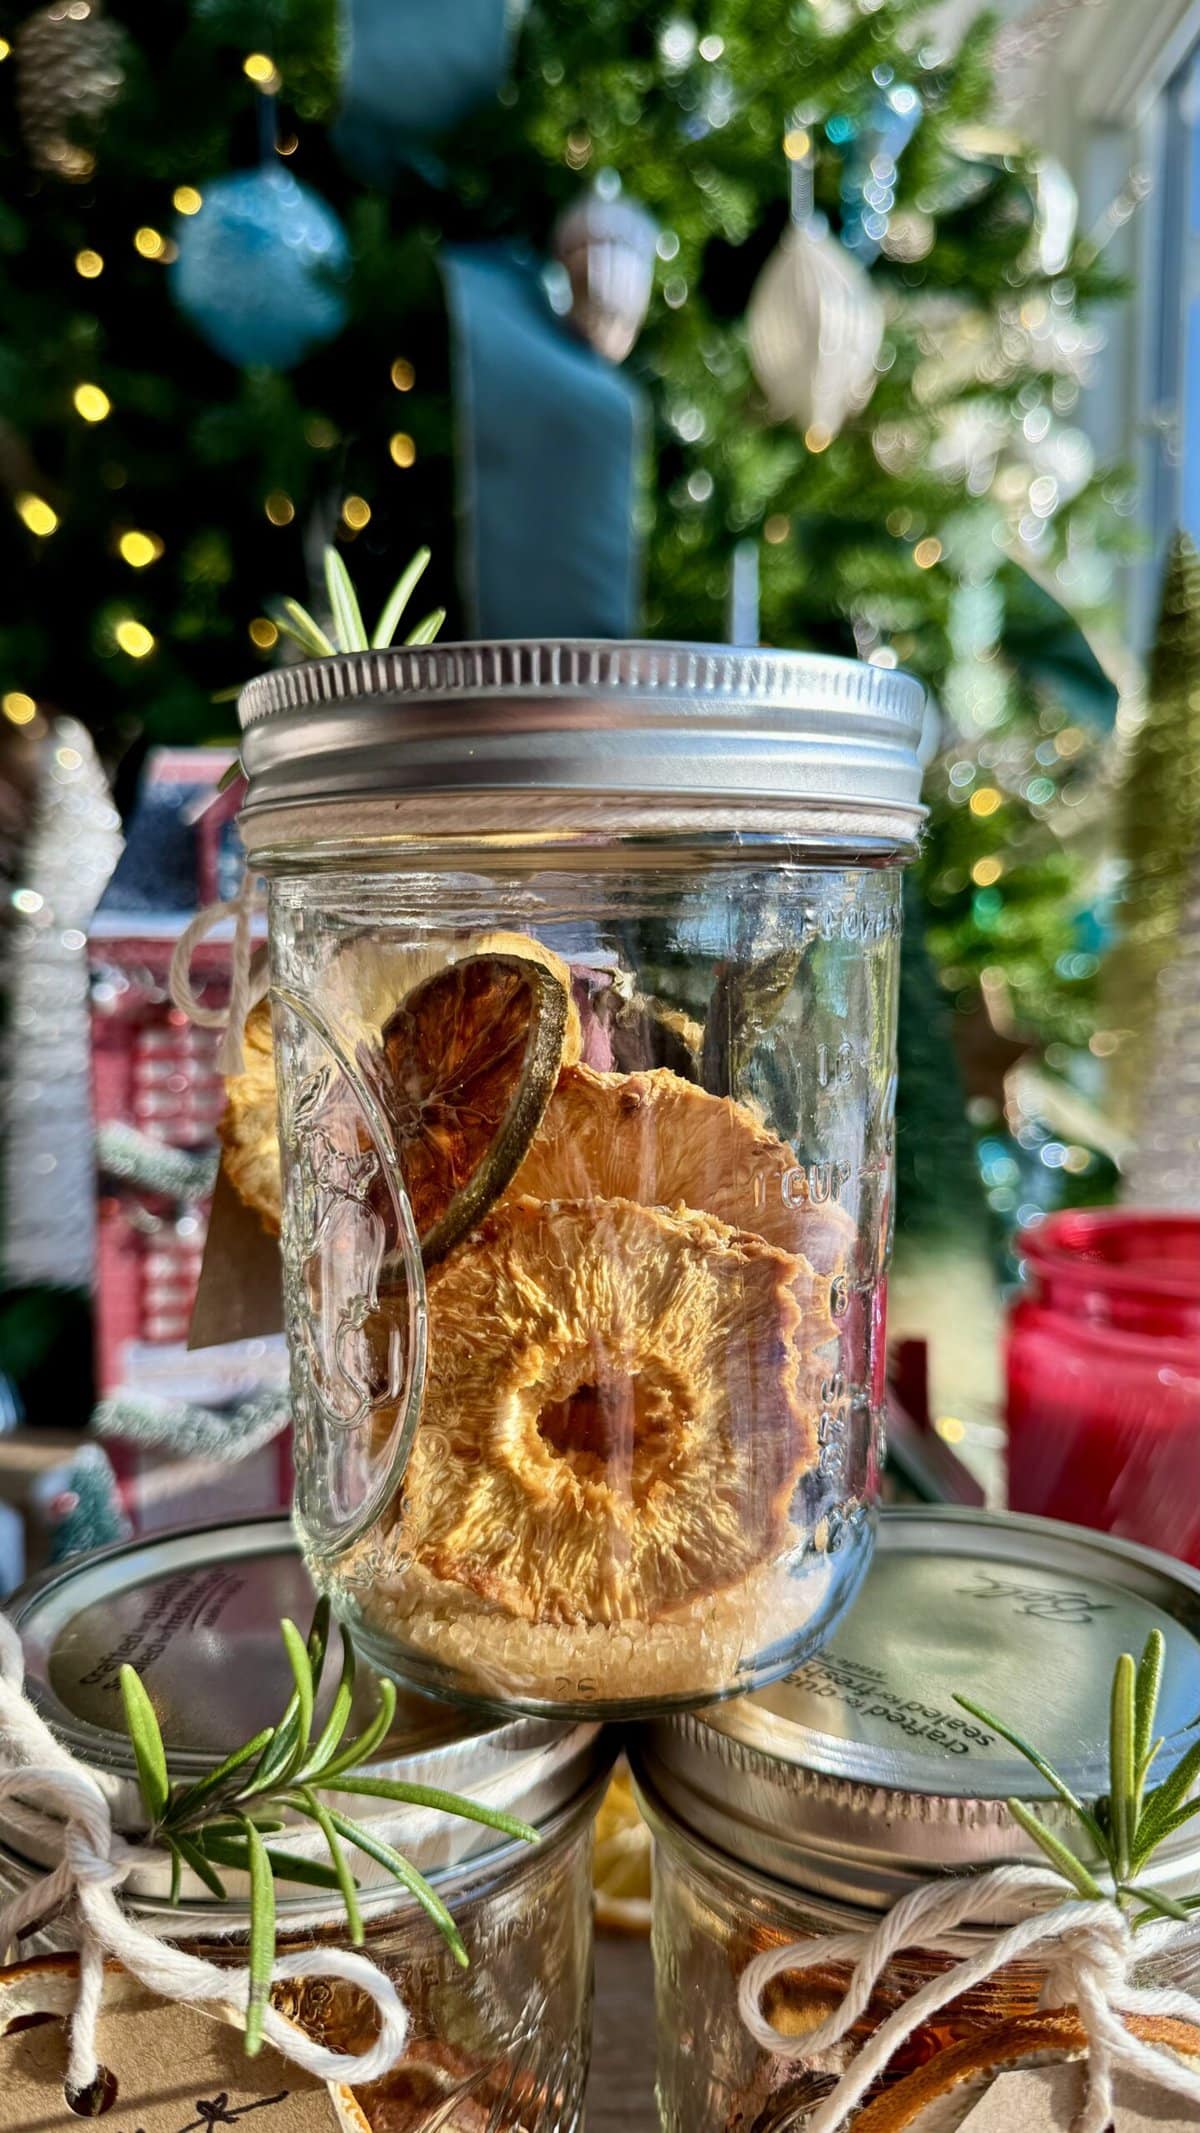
[1104, 1376]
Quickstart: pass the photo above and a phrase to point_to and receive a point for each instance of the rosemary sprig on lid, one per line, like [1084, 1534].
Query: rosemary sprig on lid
[1129, 1823]
[223, 1819]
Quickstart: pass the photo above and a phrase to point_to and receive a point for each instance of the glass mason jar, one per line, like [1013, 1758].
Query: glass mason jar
[583, 965]
[500, 2047]
[811, 1807]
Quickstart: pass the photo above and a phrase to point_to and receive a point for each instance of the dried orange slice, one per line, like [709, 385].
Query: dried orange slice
[662, 1141]
[461, 1062]
[249, 1124]
[616, 1411]
[621, 1860]
[469, 1062]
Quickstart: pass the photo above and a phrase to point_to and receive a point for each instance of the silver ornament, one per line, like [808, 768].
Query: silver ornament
[607, 250]
[69, 70]
[815, 327]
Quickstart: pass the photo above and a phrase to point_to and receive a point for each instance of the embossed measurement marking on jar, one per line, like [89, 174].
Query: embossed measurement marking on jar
[855, 922]
[814, 1184]
[833, 1425]
[839, 1064]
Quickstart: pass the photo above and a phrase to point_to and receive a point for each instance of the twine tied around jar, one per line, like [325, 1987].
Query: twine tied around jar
[67, 1806]
[247, 976]
[1089, 1950]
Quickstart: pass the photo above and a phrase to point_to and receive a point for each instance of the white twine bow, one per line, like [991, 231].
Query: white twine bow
[1089, 1950]
[246, 985]
[70, 1808]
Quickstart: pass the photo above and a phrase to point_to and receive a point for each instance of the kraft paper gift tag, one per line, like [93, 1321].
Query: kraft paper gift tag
[1045, 2100]
[177, 2069]
[240, 1292]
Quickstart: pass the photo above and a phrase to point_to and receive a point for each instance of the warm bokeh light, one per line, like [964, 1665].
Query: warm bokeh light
[356, 512]
[5, 48]
[986, 871]
[816, 438]
[402, 448]
[927, 553]
[149, 242]
[187, 200]
[18, 707]
[279, 508]
[262, 71]
[263, 633]
[404, 377]
[985, 801]
[138, 549]
[796, 143]
[89, 263]
[36, 513]
[92, 403]
[134, 638]
[777, 528]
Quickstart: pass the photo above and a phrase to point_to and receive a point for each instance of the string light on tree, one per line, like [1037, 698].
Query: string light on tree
[263, 633]
[356, 513]
[139, 549]
[402, 449]
[279, 508]
[149, 242]
[91, 402]
[186, 200]
[89, 263]
[262, 71]
[19, 708]
[403, 376]
[36, 513]
[134, 638]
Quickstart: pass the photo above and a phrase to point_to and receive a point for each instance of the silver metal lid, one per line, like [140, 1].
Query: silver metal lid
[858, 1774]
[197, 1613]
[577, 716]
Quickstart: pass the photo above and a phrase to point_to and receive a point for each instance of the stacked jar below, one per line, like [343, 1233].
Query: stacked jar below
[499, 2047]
[811, 1808]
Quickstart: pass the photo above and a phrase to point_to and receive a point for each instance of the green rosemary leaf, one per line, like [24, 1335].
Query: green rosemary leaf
[1122, 1763]
[1161, 1830]
[296, 622]
[1043, 1768]
[234, 1852]
[1157, 1905]
[176, 1873]
[398, 599]
[318, 1638]
[346, 1882]
[302, 1674]
[1149, 1682]
[262, 1938]
[203, 1793]
[233, 771]
[1060, 1856]
[447, 1803]
[406, 1874]
[192, 1856]
[1162, 1803]
[330, 1737]
[427, 628]
[347, 615]
[148, 1752]
[230, 1825]
[372, 1737]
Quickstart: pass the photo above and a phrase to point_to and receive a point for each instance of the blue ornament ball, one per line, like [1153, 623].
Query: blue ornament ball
[261, 269]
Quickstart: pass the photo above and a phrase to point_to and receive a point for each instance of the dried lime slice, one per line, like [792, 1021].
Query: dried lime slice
[470, 1060]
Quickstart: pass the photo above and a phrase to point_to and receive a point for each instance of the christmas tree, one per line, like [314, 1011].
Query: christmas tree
[268, 289]
[1164, 1168]
[1160, 831]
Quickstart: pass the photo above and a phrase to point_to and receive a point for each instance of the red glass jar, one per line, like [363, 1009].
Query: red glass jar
[1104, 1376]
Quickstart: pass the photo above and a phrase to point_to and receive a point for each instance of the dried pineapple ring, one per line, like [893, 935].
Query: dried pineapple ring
[663, 1142]
[366, 987]
[614, 1418]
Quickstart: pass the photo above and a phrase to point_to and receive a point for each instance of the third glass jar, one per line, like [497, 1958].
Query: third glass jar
[583, 964]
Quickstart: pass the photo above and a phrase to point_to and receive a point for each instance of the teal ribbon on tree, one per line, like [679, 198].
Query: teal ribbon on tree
[547, 448]
[413, 69]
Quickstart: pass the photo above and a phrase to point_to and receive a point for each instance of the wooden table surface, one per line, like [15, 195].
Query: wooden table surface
[621, 2090]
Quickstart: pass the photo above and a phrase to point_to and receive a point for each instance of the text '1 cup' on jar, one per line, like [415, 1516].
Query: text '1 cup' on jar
[582, 1018]
[809, 1809]
[500, 2046]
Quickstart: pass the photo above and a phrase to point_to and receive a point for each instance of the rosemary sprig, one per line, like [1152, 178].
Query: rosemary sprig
[349, 632]
[1128, 1824]
[224, 1819]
